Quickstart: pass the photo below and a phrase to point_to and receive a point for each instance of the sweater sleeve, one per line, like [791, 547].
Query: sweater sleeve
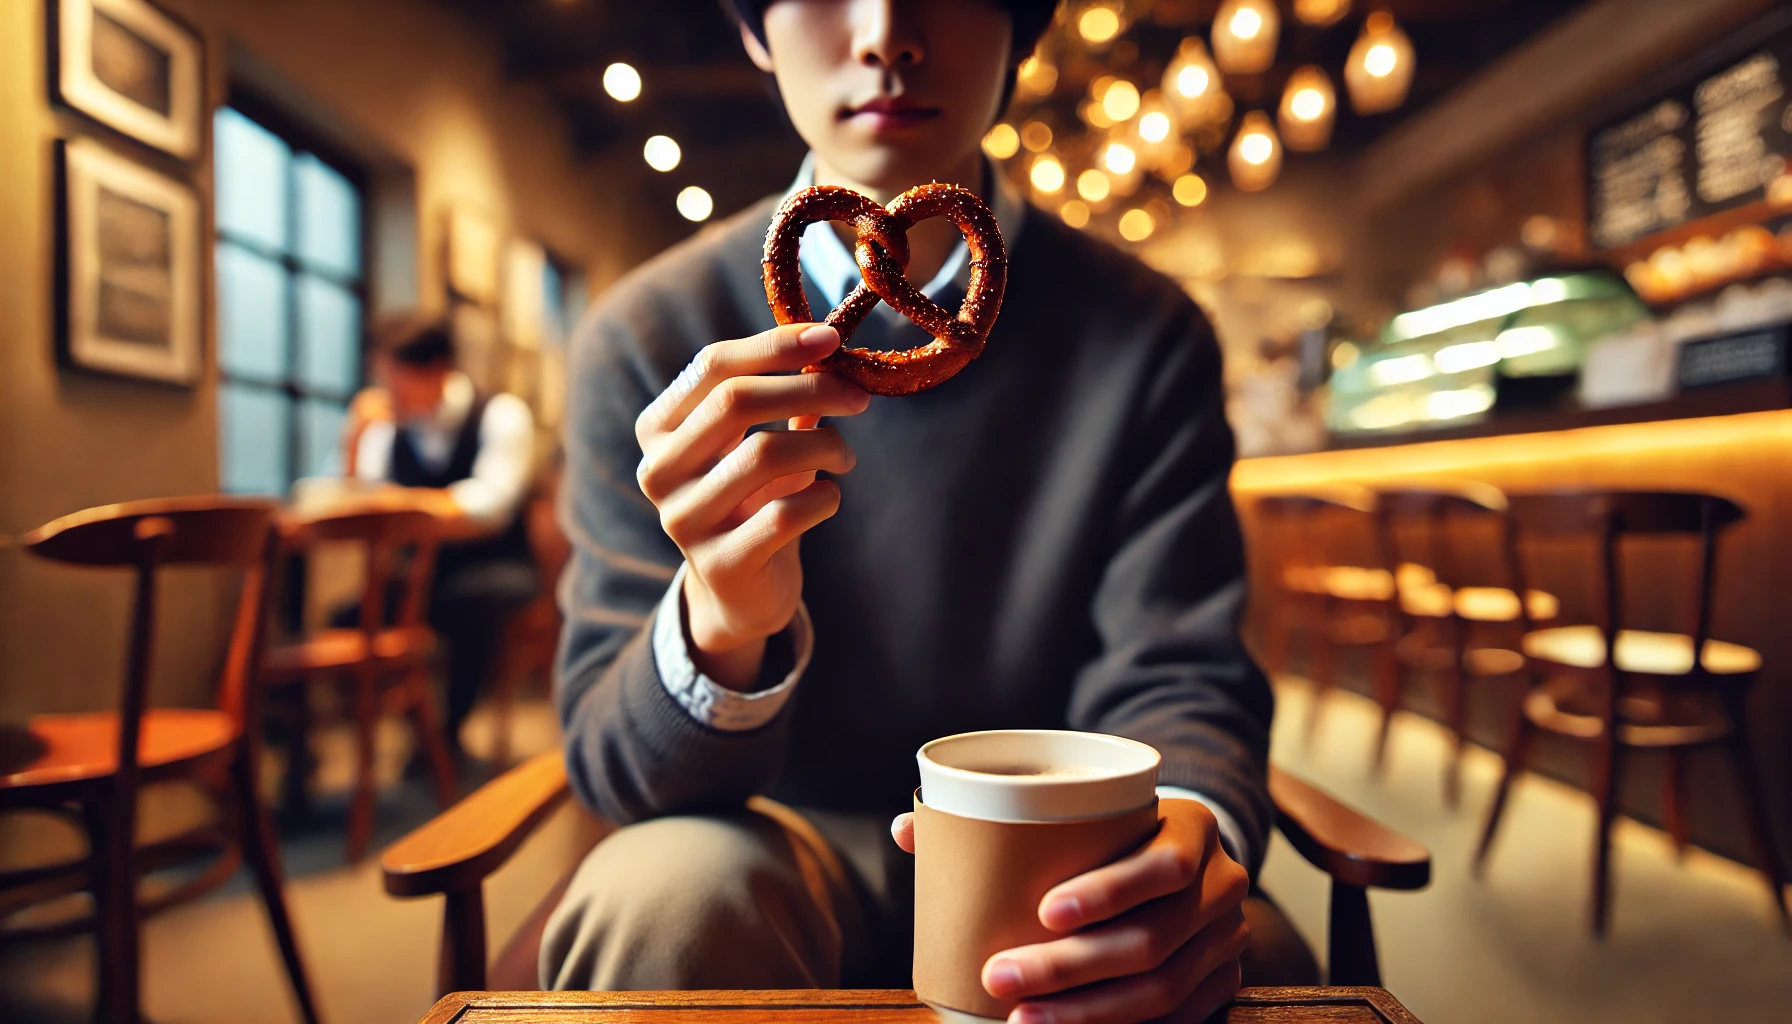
[632, 751]
[1174, 672]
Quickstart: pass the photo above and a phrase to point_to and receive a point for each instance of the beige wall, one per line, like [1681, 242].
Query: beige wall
[412, 91]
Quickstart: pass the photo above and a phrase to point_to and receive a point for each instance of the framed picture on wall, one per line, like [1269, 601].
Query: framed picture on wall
[133, 68]
[130, 272]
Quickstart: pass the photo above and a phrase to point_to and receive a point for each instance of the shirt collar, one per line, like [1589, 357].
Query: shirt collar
[830, 264]
[451, 411]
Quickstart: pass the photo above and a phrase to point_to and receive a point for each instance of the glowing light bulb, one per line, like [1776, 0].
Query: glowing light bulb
[1136, 225]
[1154, 126]
[1245, 34]
[1246, 23]
[1093, 185]
[695, 204]
[661, 153]
[1099, 24]
[622, 82]
[1307, 109]
[1120, 101]
[1189, 190]
[1119, 158]
[1074, 214]
[1381, 60]
[1036, 136]
[1256, 148]
[1047, 174]
[1193, 80]
[1307, 104]
[1255, 158]
[1002, 141]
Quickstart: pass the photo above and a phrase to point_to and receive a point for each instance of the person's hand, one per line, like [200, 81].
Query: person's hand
[1155, 935]
[736, 505]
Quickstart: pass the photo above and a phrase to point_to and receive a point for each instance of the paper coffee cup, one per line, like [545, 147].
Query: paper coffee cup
[1001, 818]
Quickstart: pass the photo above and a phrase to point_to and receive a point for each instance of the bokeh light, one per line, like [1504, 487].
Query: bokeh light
[695, 204]
[622, 82]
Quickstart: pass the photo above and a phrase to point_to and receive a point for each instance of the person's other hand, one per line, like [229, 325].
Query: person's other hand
[736, 505]
[1155, 935]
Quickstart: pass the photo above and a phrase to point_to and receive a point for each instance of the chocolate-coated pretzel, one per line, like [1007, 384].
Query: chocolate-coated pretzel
[882, 254]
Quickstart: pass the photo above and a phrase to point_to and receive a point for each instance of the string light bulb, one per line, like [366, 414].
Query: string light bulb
[1120, 101]
[622, 82]
[1379, 70]
[695, 204]
[1099, 23]
[1093, 185]
[1001, 141]
[1190, 190]
[661, 153]
[1036, 136]
[1047, 174]
[1245, 33]
[1255, 158]
[1191, 84]
[1119, 158]
[1136, 225]
[1075, 213]
[1309, 106]
[1321, 12]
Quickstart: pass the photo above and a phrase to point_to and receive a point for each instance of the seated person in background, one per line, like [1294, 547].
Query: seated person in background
[1045, 540]
[466, 457]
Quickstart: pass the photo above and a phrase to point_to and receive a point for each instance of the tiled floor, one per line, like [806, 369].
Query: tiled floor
[1689, 942]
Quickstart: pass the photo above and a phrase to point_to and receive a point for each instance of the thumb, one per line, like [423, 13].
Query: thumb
[903, 831]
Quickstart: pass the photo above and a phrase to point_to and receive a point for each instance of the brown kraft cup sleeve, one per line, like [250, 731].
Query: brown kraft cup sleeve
[978, 885]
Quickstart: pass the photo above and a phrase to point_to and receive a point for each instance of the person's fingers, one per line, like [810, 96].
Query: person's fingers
[787, 458]
[718, 424]
[902, 829]
[755, 541]
[1133, 944]
[1180, 980]
[780, 350]
[804, 422]
[1173, 860]
[1214, 992]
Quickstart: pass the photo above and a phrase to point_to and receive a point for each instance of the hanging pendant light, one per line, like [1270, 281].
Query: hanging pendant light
[1379, 71]
[1255, 158]
[1191, 84]
[1309, 106]
[1244, 36]
[1321, 12]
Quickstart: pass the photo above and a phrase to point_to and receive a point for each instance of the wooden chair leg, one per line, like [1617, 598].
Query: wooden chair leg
[118, 979]
[1451, 698]
[429, 734]
[1674, 802]
[360, 811]
[1385, 671]
[1517, 746]
[263, 853]
[462, 967]
[1760, 826]
[1350, 939]
[1605, 795]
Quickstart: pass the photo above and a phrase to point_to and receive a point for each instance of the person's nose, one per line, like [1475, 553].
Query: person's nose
[884, 36]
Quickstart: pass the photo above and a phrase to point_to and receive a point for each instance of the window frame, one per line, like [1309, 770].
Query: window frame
[302, 141]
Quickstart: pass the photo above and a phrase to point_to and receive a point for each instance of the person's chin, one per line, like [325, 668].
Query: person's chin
[897, 162]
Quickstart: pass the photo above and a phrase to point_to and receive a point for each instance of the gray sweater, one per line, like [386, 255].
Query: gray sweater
[1044, 541]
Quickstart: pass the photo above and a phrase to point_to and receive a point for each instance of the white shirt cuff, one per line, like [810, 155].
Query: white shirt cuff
[708, 701]
[1231, 836]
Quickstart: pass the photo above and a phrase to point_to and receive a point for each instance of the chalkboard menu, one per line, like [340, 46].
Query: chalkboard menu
[1713, 143]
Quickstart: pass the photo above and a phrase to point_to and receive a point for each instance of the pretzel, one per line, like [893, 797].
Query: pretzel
[882, 254]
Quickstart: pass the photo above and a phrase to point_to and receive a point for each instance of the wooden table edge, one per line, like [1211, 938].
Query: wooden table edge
[453, 1006]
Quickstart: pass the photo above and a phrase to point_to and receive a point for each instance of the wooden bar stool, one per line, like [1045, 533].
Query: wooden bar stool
[1455, 627]
[386, 657]
[1621, 689]
[1329, 587]
[90, 767]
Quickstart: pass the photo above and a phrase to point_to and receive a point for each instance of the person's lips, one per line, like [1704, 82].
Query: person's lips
[890, 113]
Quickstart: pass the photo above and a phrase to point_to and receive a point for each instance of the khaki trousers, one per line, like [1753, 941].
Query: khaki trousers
[769, 898]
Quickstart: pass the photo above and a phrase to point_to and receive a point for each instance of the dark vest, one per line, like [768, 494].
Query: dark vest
[510, 543]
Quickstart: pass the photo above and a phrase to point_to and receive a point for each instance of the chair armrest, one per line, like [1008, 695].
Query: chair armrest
[457, 849]
[1344, 844]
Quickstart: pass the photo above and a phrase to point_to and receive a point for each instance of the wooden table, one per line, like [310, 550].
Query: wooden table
[858, 1006]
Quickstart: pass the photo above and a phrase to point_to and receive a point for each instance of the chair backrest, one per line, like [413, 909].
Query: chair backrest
[384, 537]
[148, 535]
[1322, 527]
[1416, 529]
[1606, 517]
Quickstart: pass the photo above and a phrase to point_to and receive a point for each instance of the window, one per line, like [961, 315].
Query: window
[290, 300]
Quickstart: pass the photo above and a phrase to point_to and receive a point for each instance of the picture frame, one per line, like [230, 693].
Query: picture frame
[129, 272]
[133, 68]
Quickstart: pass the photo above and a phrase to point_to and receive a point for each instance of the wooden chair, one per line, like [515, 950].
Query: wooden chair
[453, 854]
[532, 635]
[1330, 588]
[90, 767]
[1621, 688]
[1450, 628]
[386, 657]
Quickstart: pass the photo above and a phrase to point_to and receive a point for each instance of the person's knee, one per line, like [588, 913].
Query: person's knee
[690, 902]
